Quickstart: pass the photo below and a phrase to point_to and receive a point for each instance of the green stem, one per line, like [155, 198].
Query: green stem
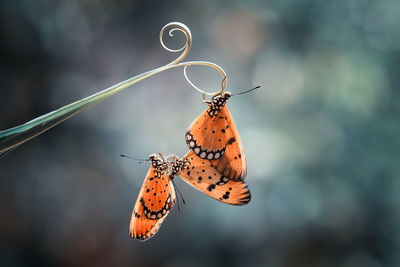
[15, 136]
[11, 138]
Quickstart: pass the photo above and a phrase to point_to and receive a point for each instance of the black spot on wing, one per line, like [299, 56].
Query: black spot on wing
[231, 140]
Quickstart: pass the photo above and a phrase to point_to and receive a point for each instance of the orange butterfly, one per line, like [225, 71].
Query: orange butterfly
[156, 198]
[214, 136]
[157, 195]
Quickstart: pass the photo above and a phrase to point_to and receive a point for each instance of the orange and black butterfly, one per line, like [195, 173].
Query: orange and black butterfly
[214, 136]
[157, 195]
[155, 200]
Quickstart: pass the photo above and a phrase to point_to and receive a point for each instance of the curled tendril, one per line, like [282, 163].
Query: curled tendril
[13, 137]
[177, 26]
[223, 83]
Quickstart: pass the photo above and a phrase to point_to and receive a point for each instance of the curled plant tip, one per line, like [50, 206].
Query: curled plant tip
[203, 93]
[13, 137]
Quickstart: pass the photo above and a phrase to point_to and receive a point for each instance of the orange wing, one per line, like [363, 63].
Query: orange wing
[233, 163]
[156, 198]
[201, 174]
[200, 170]
[214, 136]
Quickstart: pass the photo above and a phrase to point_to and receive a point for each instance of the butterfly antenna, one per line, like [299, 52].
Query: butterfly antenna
[140, 160]
[179, 192]
[241, 93]
[177, 199]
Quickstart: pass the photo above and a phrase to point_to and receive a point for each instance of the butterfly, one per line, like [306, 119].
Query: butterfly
[155, 200]
[214, 136]
[157, 194]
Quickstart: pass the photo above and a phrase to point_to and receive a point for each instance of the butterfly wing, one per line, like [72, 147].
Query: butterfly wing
[201, 174]
[233, 163]
[156, 198]
[204, 137]
[200, 170]
[214, 136]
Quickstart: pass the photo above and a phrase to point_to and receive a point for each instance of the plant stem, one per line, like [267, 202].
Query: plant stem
[13, 137]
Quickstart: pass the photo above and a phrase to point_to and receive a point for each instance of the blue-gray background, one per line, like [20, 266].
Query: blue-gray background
[321, 137]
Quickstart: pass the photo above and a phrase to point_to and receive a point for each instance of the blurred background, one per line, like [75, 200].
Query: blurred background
[321, 136]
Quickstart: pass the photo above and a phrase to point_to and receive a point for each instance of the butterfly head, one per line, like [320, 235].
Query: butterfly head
[221, 99]
[153, 157]
[226, 95]
[158, 163]
[217, 102]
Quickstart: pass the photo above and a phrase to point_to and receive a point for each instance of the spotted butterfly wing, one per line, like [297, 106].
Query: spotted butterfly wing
[201, 174]
[233, 163]
[156, 198]
[214, 136]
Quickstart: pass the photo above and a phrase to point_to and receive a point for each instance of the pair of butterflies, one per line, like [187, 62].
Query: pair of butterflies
[214, 165]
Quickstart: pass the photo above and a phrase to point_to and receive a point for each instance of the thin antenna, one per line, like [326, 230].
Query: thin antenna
[177, 199]
[241, 93]
[177, 189]
[140, 160]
